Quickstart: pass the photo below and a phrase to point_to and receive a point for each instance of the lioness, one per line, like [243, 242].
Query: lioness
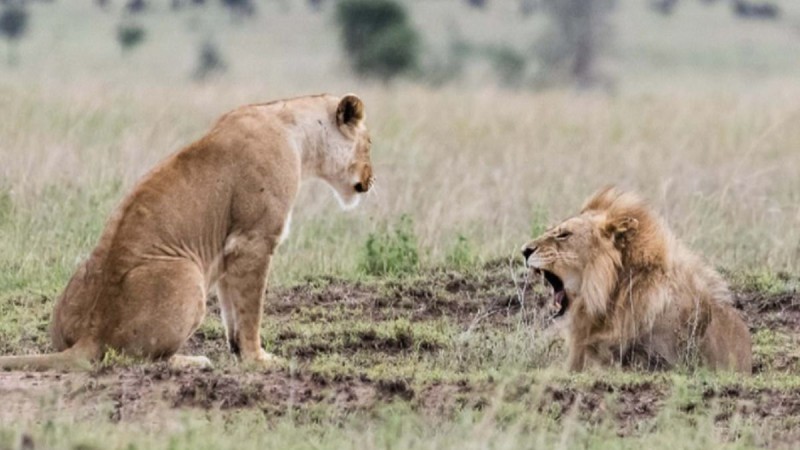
[627, 287]
[210, 215]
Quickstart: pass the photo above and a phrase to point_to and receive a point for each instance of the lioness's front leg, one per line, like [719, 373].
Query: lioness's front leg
[241, 288]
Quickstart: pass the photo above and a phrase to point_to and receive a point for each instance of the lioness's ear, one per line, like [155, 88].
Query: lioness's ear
[350, 111]
[622, 226]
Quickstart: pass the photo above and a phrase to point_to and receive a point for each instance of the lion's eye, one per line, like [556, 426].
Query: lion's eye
[563, 235]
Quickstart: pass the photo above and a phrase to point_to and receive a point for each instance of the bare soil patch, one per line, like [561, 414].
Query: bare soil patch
[488, 298]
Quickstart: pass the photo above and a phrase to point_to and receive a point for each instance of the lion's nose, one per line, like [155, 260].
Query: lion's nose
[360, 187]
[528, 251]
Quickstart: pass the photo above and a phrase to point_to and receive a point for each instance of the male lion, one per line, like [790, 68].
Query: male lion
[210, 215]
[628, 288]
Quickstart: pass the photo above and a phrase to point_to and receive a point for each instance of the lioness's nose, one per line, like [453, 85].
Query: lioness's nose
[528, 251]
[360, 187]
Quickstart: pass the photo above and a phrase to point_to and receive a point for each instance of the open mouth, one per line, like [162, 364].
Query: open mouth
[560, 299]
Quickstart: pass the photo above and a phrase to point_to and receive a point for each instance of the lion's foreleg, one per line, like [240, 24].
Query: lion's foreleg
[576, 360]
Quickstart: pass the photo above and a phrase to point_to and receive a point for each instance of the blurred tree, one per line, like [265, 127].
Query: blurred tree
[130, 35]
[448, 65]
[755, 10]
[378, 37]
[136, 6]
[209, 62]
[745, 9]
[509, 64]
[664, 6]
[240, 8]
[479, 4]
[315, 5]
[579, 32]
[13, 25]
[177, 5]
[528, 7]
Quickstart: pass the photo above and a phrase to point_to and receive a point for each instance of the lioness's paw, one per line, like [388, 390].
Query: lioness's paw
[190, 362]
[263, 360]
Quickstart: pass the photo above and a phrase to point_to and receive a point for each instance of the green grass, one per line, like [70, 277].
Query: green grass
[700, 122]
[394, 427]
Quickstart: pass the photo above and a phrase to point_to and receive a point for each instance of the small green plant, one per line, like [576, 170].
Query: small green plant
[462, 255]
[392, 251]
[763, 281]
[378, 37]
[112, 358]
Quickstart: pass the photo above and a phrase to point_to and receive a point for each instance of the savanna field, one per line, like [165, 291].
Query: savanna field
[410, 322]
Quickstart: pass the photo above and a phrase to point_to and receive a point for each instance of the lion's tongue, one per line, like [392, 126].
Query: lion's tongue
[559, 297]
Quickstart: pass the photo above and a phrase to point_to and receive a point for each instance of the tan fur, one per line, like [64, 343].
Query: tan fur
[634, 290]
[210, 215]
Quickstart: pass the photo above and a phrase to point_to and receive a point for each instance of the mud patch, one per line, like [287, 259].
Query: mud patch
[774, 311]
[485, 303]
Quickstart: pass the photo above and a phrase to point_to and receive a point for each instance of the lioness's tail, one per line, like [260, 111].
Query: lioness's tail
[77, 357]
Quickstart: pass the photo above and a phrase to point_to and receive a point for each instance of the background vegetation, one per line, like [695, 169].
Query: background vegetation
[479, 147]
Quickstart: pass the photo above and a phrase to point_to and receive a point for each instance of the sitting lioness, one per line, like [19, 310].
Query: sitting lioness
[210, 215]
[627, 286]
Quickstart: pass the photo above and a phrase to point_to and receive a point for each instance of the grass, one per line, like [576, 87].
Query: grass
[394, 428]
[725, 191]
[393, 304]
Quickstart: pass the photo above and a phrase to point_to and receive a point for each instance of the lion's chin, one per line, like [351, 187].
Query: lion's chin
[347, 201]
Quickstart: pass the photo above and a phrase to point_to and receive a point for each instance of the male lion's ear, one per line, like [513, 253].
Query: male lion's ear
[350, 111]
[623, 226]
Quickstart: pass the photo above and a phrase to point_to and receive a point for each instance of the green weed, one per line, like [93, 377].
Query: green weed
[393, 251]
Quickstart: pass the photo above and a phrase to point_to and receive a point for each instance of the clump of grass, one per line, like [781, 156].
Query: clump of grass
[392, 251]
[115, 359]
[774, 349]
[764, 281]
[211, 328]
[463, 254]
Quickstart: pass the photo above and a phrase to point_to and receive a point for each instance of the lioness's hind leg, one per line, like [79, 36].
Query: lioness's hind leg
[161, 305]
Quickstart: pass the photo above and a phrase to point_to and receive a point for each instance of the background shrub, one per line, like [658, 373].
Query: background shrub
[13, 25]
[209, 61]
[130, 35]
[378, 37]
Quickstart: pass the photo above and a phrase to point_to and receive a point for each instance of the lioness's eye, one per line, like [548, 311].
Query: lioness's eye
[564, 235]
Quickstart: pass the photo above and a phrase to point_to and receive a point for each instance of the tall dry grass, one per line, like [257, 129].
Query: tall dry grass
[490, 165]
[714, 148]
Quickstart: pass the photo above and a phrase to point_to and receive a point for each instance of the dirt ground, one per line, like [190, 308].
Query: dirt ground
[489, 299]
